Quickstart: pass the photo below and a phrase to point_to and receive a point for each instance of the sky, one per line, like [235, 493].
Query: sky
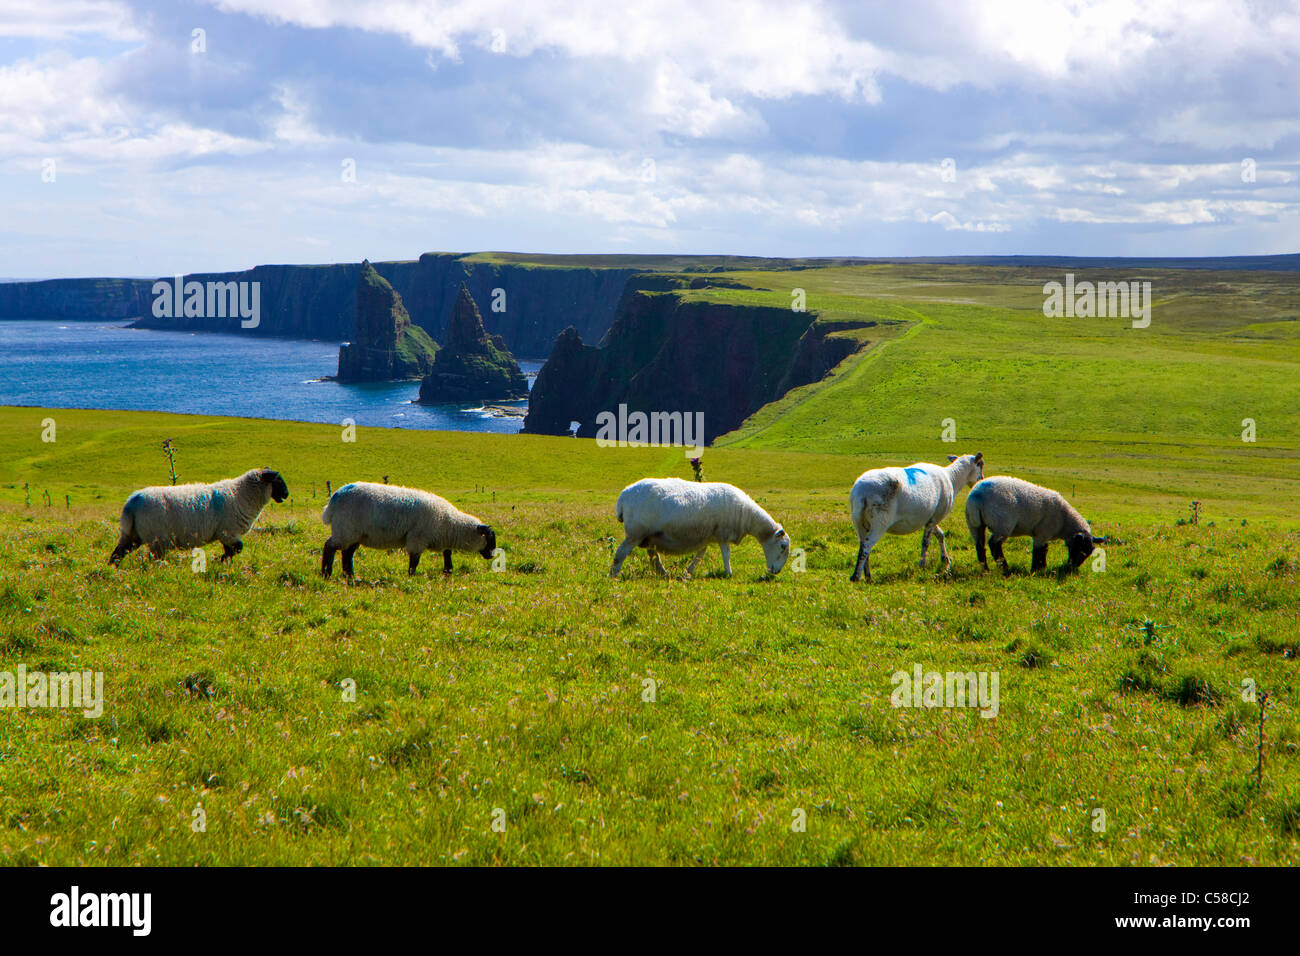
[142, 138]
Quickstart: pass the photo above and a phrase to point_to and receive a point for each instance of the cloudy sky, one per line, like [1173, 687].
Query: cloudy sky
[141, 138]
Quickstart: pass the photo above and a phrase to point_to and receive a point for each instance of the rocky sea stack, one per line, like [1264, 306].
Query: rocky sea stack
[472, 366]
[386, 345]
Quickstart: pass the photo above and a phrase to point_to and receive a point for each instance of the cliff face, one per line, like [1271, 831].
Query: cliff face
[534, 305]
[472, 366]
[665, 353]
[76, 299]
[385, 345]
[318, 302]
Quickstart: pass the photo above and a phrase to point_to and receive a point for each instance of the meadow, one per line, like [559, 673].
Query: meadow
[544, 714]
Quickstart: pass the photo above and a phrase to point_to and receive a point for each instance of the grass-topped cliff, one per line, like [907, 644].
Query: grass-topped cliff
[541, 295]
[691, 344]
[968, 344]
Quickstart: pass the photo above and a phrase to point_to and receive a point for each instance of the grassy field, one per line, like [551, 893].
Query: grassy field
[520, 697]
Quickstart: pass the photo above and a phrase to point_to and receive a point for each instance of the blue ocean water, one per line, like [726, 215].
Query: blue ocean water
[107, 365]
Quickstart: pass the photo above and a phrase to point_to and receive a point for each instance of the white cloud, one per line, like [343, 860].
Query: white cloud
[56, 19]
[697, 54]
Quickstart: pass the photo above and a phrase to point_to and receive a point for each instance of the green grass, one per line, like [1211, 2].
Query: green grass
[1126, 420]
[523, 690]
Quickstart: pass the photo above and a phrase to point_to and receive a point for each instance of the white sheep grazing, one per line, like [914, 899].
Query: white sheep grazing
[189, 516]
[903, 500]
[389, 517]
[672, 516]
[1010, 508]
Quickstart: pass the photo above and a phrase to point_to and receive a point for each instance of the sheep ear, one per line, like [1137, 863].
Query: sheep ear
[780, 532]
[1100, 540]
[482, 529]
[952, 457]
[979, 458]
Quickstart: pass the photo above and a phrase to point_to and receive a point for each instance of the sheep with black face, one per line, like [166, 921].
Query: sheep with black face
[1009, 508]
[390, 517]
[164, 517]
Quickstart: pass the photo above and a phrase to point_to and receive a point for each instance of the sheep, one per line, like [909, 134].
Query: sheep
[189, 516]
[903, 500]
[1010, 508]
[390, 517]
[672, 516]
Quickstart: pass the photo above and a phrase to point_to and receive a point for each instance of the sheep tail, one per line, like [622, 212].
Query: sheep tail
[329, 508]
[127, 523]
[859, 511]
[975, 511]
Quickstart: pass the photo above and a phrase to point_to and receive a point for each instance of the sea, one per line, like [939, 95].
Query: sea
[107, 365]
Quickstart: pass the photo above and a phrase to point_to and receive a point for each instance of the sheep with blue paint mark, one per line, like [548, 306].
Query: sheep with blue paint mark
[189, 516]
[903, 500]
[1011, 508]
[672, 516]
[390, 518]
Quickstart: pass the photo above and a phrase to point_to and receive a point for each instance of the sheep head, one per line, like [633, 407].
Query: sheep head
[1080, 545]
[489, 540]
[974, 467]
[272, 480]
[777, 550]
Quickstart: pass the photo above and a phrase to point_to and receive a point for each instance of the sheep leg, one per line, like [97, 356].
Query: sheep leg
[228, 551]
[925, 543]
[726, 558]
[624, 549]
[943, 548]
[1039, 560]
[327, 559]
[995, 549]
[414, 561]
[657, 563]
[862, 560]
[446, 561]
[690, 568]
[863, 569]
[978, 535]
[347, 560]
